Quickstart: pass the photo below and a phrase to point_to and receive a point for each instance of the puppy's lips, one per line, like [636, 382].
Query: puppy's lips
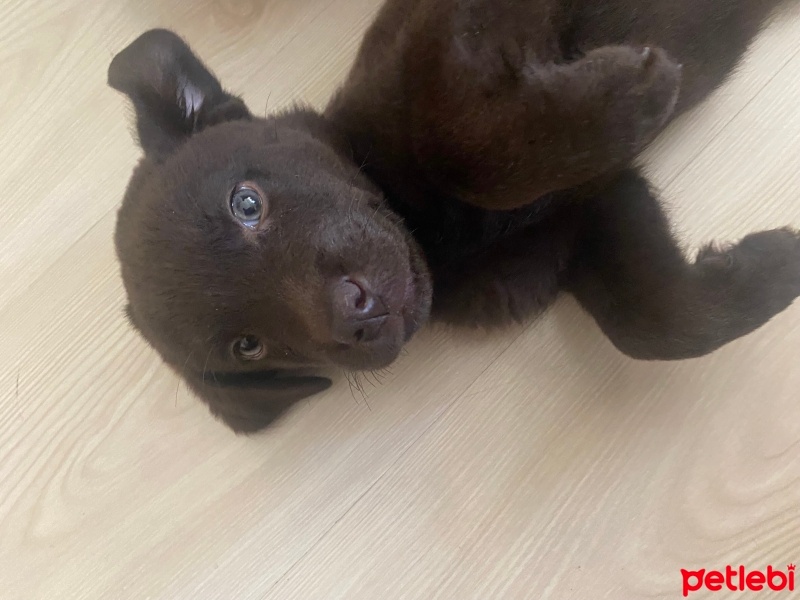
[415, 307]
[410, 304]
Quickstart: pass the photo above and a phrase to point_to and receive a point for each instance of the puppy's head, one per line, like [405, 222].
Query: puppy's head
[252, 248]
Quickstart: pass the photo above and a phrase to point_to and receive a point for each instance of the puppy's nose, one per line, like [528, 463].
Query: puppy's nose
[358, 313]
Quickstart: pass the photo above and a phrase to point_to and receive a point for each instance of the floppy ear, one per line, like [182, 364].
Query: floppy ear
[173, 93]
[249, 402]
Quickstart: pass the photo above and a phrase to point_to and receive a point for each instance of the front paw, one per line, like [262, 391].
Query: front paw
[760, 274]
[636, 90]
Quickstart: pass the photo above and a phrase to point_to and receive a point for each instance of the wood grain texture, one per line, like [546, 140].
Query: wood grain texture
[529, 464]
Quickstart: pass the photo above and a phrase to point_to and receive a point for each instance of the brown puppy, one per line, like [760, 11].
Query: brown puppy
[474, 164]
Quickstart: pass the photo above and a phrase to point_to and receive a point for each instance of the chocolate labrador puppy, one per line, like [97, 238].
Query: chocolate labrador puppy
[476, 162]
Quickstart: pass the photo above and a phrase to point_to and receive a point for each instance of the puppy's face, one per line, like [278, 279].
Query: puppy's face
[250, 247]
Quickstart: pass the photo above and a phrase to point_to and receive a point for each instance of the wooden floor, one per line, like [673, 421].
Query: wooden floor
[532, 464]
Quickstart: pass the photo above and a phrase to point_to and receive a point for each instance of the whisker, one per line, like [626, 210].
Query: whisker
[205, 366]
[381, 374]
[350, 384]
[362, 389]
[375, 379]
[182, 375]
[364, 164]
[360, 385]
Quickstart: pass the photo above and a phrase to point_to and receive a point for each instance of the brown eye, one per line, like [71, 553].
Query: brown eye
[248, 204]
[249, 347]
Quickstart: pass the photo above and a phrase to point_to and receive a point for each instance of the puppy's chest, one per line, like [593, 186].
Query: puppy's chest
[450, 231]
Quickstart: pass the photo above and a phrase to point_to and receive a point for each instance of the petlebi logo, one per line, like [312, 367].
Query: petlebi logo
[739, 579]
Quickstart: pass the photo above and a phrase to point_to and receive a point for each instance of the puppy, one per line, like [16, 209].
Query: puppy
[476, 163]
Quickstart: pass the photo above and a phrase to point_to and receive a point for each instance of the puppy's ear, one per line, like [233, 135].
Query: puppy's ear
[249, 402]
[173, 93]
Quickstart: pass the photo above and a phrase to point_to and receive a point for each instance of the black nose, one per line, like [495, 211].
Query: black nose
[358, 313]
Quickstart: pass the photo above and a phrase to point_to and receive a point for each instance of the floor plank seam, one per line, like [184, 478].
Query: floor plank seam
[446, 410]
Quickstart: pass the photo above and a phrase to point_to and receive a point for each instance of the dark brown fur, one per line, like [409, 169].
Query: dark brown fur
[475, 163]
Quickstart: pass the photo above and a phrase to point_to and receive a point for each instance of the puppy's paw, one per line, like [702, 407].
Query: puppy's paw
[760, 275]
[636, 89]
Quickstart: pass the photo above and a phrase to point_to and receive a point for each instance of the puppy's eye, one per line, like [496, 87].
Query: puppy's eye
[248, 204]
[249, 347]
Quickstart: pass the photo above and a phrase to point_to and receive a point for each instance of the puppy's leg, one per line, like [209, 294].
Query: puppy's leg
[501, 128]
[629, 273]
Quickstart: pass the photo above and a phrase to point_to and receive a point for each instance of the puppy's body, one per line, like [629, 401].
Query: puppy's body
[500, 131]
[461, 110]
